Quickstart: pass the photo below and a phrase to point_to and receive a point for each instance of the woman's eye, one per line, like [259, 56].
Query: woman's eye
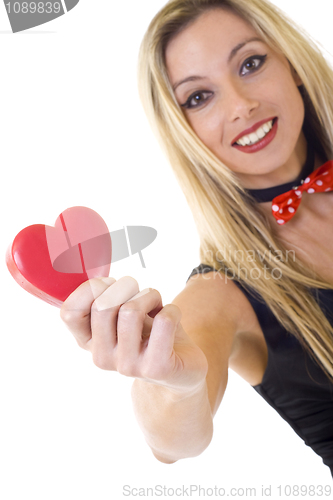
[252, 64]
[196, 99]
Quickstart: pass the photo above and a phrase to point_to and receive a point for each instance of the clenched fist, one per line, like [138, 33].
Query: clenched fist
[131, 332]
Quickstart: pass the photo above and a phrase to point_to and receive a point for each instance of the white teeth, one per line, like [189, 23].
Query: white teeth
[261, 132]
[255, 136]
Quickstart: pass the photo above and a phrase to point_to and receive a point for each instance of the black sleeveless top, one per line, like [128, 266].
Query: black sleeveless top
[293, 384]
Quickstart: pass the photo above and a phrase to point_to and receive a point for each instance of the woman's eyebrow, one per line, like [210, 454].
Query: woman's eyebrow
[231, 56]
[188, 79]
[241, 45]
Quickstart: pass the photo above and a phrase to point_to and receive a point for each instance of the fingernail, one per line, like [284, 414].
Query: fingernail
[122, 291]
[108, 281]
[143, 292]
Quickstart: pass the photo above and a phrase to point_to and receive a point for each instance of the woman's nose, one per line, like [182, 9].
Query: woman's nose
[239, 103]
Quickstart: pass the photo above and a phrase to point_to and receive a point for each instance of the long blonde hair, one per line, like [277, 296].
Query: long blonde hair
[228, 219]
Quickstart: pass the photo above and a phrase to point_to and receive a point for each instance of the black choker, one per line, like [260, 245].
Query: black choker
[263, 195]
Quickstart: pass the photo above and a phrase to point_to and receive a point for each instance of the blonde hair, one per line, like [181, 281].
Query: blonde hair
[226, 215]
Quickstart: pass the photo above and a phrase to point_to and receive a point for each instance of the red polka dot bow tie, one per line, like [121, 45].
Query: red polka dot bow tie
[285, 205]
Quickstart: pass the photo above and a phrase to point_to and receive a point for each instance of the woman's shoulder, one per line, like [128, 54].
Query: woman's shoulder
[218, 301]
[224, 294]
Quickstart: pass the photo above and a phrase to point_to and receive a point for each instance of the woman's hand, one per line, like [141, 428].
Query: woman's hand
[131, 332]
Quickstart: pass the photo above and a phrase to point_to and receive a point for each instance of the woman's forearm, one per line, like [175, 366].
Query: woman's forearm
[174, 425]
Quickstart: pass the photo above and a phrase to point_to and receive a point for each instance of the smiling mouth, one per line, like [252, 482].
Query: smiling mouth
[258, 135]
[259, 139]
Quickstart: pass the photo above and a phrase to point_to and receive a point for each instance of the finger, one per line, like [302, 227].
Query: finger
[162, 337]
[104, 312]
[123, 290]
[148, 322]
[130, 326]
[75, 311]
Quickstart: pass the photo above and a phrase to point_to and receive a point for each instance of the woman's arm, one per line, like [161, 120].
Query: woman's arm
[180, 367]
[180, 425]
[175, 425]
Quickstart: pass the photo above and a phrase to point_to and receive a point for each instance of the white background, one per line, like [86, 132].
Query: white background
[72, 132]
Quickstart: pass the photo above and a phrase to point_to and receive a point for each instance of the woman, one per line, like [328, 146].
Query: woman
[241, 102]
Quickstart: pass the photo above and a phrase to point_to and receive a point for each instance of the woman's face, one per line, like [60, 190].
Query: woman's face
[228, 81]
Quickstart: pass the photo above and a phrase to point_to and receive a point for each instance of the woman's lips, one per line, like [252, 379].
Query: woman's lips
[253, 148]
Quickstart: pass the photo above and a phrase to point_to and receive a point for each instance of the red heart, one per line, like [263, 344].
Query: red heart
[51, 262]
